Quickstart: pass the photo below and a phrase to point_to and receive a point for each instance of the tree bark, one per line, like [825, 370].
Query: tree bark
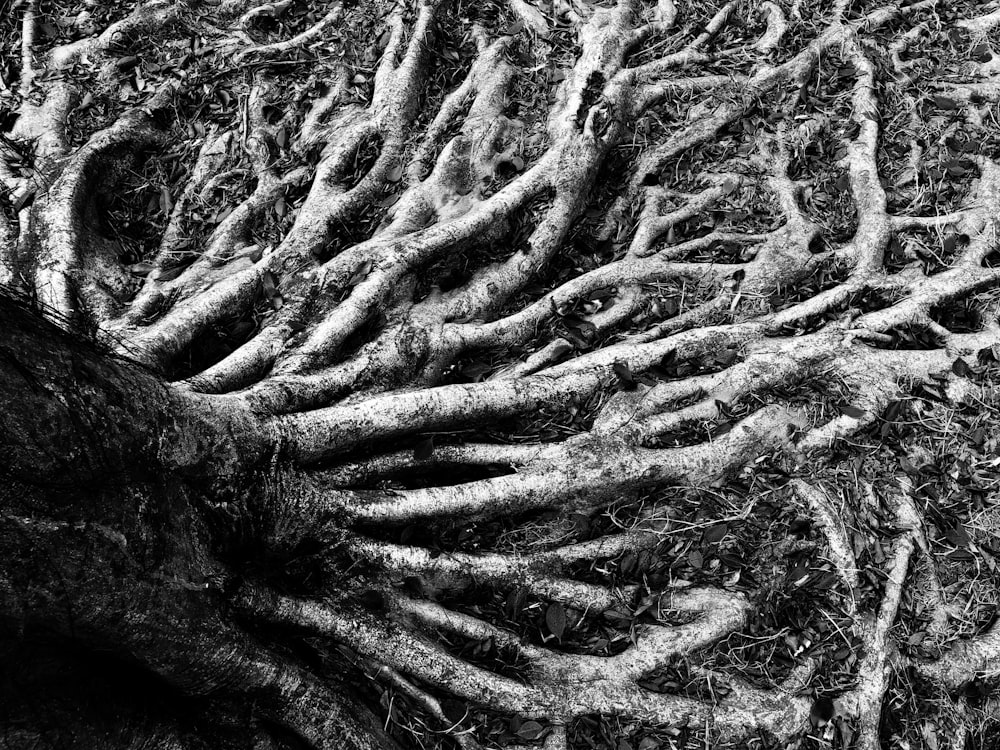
[432, 373]
[109, 566]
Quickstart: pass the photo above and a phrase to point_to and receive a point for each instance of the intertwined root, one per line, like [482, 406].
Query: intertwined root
[645, 223]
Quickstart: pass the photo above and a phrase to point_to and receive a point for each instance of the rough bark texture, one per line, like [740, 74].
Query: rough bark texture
[444, 373]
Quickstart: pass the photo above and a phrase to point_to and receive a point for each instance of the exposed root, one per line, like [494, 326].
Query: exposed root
[461, 265]
[596, 684]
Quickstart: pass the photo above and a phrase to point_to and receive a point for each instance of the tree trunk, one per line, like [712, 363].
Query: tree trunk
[110, 587]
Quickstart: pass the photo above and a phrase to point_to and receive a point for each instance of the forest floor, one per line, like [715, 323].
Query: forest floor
[809, 538]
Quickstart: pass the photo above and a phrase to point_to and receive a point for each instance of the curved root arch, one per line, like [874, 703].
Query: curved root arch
[494, 275]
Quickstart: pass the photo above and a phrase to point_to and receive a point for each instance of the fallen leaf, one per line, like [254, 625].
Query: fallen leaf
[715, 533]
[555, 619]
[530, 730]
